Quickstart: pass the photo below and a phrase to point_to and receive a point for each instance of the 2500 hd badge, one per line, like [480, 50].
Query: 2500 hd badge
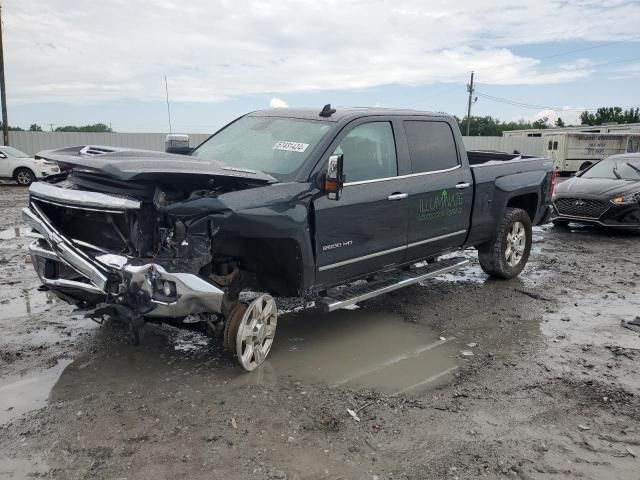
[333, 246]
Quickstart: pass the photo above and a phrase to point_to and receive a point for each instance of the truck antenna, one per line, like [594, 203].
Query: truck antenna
[166, 90]
[327, 111]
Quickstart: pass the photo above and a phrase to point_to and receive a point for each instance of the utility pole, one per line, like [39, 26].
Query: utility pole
[166, 89]
[470, 90]
[3, 93]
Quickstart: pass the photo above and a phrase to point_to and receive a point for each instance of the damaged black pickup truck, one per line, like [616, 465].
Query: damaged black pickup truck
[331, 206]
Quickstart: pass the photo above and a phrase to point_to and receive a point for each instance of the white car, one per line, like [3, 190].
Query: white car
[23, 168]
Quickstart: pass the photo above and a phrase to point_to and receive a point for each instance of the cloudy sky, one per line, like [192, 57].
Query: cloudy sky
[72, 62]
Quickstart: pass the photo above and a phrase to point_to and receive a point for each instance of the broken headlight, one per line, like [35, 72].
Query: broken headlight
[627, 199]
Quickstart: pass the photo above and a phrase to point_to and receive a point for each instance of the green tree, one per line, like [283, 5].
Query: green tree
[610, 115]
[559, 122]
[12, 129]
[481, 126]
[491, 126]
[35, 128]
[96, 127]
[540, 124]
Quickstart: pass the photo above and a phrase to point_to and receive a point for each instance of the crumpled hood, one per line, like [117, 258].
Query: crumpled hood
[597, 186]
[130, 164]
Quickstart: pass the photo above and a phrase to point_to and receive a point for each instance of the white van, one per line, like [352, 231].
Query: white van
[23, 168]
[572, 152]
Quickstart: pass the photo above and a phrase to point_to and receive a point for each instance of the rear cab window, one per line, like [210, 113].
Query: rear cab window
[432, 146]
[369, 152]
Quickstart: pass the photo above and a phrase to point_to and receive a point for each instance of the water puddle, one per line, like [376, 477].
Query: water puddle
[23, 302]
[15, 232]
[360, 348]
[21, 394]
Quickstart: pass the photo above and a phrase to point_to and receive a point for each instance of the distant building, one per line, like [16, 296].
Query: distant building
[605, 128]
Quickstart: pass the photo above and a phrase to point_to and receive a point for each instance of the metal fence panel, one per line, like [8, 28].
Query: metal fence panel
[525, 145]
[34, 142]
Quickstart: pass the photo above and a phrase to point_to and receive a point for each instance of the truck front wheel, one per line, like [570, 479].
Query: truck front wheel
[506, 255]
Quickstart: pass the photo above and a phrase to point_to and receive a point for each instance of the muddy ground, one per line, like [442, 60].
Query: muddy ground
[461, 377]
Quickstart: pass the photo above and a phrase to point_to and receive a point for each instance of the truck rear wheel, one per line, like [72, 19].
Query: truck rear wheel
[507, 254]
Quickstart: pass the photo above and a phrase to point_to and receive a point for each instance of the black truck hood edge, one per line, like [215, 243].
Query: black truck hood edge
[130, 164]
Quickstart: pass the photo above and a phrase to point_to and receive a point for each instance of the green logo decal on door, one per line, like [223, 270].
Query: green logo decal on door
[443, 204]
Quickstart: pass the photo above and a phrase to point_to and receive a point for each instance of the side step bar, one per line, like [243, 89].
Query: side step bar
[342, 297]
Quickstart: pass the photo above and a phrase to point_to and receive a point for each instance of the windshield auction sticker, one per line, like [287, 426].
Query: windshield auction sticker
[290, 146]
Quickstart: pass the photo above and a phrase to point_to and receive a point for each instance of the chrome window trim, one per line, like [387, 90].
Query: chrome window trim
[362, 182]
[391, 250]
[435, 239]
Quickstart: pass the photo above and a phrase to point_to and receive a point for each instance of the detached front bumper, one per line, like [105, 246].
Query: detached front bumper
[86, 275]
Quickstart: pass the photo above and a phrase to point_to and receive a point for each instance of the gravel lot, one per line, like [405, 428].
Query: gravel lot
[551, 390]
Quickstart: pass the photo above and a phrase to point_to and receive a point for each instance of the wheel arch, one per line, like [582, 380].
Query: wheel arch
[527, 202]
[275, 265]
[22, 167]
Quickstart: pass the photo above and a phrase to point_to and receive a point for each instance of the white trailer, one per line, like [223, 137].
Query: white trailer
[572, 152]
[606, 128]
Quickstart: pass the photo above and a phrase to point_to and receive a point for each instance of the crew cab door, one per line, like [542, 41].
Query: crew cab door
[366, 229]
[440, 188]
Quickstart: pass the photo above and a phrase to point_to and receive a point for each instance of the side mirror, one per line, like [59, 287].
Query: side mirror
[2, 155]
[334, 181]
[178, 144]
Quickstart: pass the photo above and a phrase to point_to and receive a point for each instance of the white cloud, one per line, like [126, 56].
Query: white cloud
[625, 72]
[569, 115]
[117, 49]
[278, 103]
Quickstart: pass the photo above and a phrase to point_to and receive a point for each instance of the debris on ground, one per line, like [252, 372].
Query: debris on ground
[632, 324]
[353, 414]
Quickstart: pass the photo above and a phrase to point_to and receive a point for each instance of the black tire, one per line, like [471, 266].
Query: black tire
[493, 254]
[231, 325]
[24, 177]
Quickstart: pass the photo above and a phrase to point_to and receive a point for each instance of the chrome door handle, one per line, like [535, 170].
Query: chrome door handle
[463, 185]
[397, 196]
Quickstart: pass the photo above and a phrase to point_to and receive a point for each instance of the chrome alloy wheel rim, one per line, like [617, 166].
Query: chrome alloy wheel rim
[516, 242]
[23, 178]
[256, 332]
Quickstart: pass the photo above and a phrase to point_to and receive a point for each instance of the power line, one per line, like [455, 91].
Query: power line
[568, 52]
[542, 107]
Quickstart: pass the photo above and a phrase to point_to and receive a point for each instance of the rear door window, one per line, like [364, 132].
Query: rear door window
[431, 146]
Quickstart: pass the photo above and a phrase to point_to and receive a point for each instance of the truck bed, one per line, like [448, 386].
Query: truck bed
[499, 176]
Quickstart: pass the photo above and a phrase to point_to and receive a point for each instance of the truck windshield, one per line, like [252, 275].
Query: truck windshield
[270, 144]
[615, 168]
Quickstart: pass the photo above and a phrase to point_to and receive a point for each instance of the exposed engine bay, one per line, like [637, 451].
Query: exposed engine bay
[167, 237]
